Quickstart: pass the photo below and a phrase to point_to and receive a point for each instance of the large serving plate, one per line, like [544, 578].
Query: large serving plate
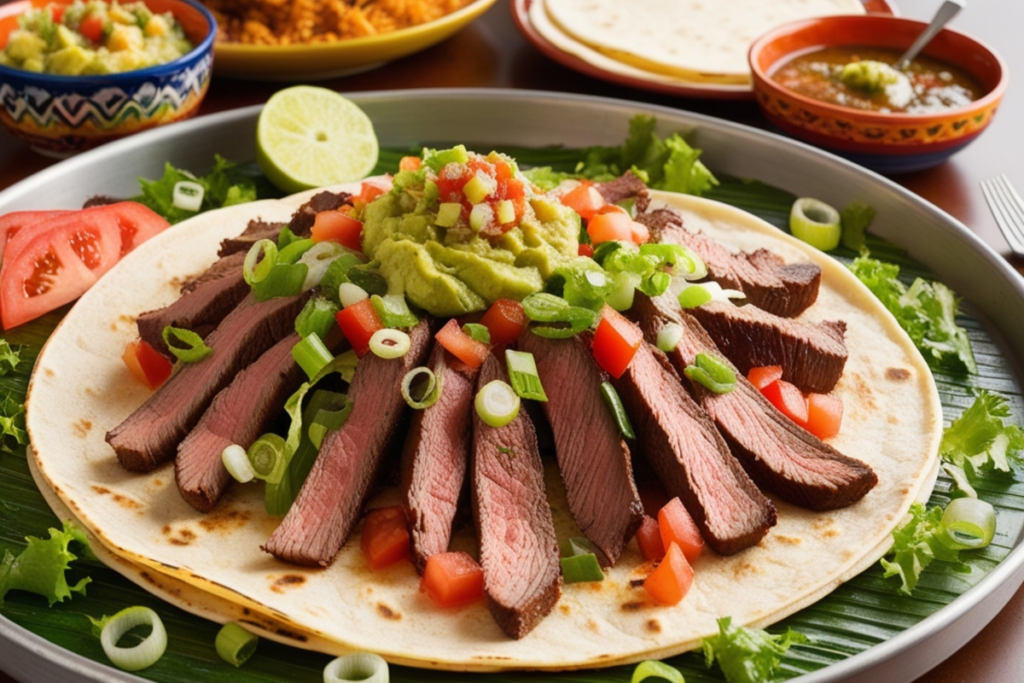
[487, 118]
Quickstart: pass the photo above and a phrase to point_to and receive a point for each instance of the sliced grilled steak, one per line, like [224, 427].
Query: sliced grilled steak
[436, 456]
[302, 220]
[592, 456]
[625, 186]
[764, 278]
[812, 355]
[239, 414]
[254, 232]
[150, 435]
[691, 458]
[518, 548]
[779, 455]
[329, 502]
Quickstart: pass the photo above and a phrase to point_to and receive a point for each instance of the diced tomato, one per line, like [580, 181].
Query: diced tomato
[584, 200]
[505, 320]
[452, 579]
[613, 225]
[639, 233]
[670, 582]
[470, 351]
[410, 164]
[585, 250]
[61, 257]
[824, 415]
[615, 342]
[648, 537]
[789, 399]
[92, 28]
[677, 526]
[763, 376]
[385, 536]
[14, 221]
[372, 188]
[358, 322]
[335, 226]
[147, 364]
[57, 12]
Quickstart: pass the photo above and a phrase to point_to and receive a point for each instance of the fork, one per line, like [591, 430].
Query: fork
[1008, 209]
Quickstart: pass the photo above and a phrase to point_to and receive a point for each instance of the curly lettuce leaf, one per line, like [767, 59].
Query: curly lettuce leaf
[979, 440]
[10, 357]
[916, 544]
[226, 184]
[748, 655]
[855, 220]
[40, 567]
[12, 424]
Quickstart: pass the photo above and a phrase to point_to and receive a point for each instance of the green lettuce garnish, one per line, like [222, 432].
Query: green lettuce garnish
[855, 220]
[12, 424]
[916, 544]
[225, 185]
[9, 357]
[926, 310]
[40, 567]
[979, 441]
[748, 655]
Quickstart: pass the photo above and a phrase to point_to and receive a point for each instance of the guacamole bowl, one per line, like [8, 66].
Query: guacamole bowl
[60, 115]
[865, 126]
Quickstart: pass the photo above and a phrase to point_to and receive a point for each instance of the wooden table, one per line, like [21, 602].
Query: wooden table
[491, 53]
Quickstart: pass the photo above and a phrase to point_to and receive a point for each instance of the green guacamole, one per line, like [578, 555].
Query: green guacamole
[467, 264]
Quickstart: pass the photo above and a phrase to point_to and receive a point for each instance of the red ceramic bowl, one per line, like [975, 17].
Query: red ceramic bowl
[885, 142]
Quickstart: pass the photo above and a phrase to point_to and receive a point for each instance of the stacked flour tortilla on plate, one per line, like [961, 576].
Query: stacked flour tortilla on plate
[81, 389]
[684, 42]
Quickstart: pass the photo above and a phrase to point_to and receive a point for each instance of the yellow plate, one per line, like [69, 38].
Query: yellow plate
[321, 61]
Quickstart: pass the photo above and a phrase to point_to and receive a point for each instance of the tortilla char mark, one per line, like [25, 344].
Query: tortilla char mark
[592, 456]
[518, 547]
[435, 457]
[690, 456]
[237, 415]
[150, 435]
[777, 453]
[812, 355]
[332, 496]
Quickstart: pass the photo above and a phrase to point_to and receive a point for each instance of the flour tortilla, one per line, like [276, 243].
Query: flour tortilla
[695, 40]
[81, 389]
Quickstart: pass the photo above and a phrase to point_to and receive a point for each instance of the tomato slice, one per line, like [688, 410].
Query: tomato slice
[505, 320]
[335, 226]
[470, 351]
[358, 322]
[148, 365]
[671, 581]
[824, 415]
[616, 341]
[677, 526]
[14, 221]
[648, 537]
[452, 579]
[385, 536]
[788, 398]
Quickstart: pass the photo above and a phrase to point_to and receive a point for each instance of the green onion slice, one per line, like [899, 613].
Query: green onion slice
[388, 343]
[959, 478]
[653, 668]
[420, 388]
[478, 332]
[145, 653]
[968, 523]
[684, 262]
[358, 666]
[580, 568]
[711, 373]
[267, 457]
[349, 294]
[614, 403]
[522, 372]
[234, 644]
[669, 336]
[623, 291]
[602, 250]
[312, 354]
[186, 345]
[369, 279]
[497, 403]
[294, 250]
[187, 195]
[327, 421]
[548, 308]
[655, 284]
[316, 317]
[283, 279]
[318, 260]
[393, 310]
[236, 462]
[815, 223]
[254, 272]
[576, 545]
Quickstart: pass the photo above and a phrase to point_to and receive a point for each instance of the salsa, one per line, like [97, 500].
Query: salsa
[862, 78]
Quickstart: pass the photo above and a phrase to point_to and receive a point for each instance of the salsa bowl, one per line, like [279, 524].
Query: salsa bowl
[885, 141]
[61, 115]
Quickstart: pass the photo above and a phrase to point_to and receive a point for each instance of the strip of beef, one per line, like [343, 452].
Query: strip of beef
[239, 414]
[150, 435]
[436, 455]
[624, 187]
[690, 456]
[812, 355]
[779, 455]
[254, 232]
[764, 278]
[518, 548]
[302, 220]
[592, 456]
[201, 306]
[329, 501]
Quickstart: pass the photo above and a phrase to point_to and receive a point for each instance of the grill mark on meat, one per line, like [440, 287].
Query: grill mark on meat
[239, 414]
[255, 231]
[329, 502]
[150, 435]
[518, 547]
[812, 355]
[435, 457]
[593, 459]
[690, 456]
[777, 453]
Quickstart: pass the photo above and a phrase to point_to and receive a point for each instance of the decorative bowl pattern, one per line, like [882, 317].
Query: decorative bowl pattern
[886, 142]
[62, 115]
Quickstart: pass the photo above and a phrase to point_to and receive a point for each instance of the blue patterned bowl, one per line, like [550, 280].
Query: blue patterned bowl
[62, 115]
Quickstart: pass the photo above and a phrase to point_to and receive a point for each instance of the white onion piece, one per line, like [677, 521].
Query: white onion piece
[389, 343]
[317, 259]
[669, 336]
[359, 666]
[139, 656]
[349, 294]
[236, 462]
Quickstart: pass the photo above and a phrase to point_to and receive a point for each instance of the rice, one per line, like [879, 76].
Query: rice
[291, 22]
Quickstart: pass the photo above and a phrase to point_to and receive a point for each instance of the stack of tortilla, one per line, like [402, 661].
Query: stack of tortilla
[693, 43]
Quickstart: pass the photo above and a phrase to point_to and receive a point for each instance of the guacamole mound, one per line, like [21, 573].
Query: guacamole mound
[450, 255]
[868, 75]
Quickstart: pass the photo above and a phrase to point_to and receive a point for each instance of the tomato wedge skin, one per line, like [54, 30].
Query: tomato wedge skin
[616, 341]
[505, 321]
[470, 351]
[671, 581]
[677, 526]
[824, 415]
[358, 322]
[11, 223]
[452, 578]
[648, 537]
[788, 398]
[148, 365]
[385, 537]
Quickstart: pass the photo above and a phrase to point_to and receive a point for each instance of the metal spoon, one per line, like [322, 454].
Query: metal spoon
[948, 10]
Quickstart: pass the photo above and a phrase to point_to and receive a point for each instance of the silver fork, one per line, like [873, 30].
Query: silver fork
[1008, 209]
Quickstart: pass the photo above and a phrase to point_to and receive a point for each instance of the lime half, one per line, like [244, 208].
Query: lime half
[309, 137]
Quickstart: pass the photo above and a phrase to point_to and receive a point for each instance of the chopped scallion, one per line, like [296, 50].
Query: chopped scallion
[187, 195]
[420, 388]
[141, 655]
[255, 269]
[327, 421]
[522, 372]
[711, 373]
[369, 279]
[312, 354]
[294, 251]
[393, 311]
[652, 668]
[614, 403]
[580, 568]
[816, 223]
[316, 317]
[186, 345]
[694, 296]
[497, 403]
[669, 336]
[548, 308]
[234, 644]
[318, 260]
[283, 279]
[267, 457]
[389, 343]
[236, 462]
[968, 523]
[358, 666]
